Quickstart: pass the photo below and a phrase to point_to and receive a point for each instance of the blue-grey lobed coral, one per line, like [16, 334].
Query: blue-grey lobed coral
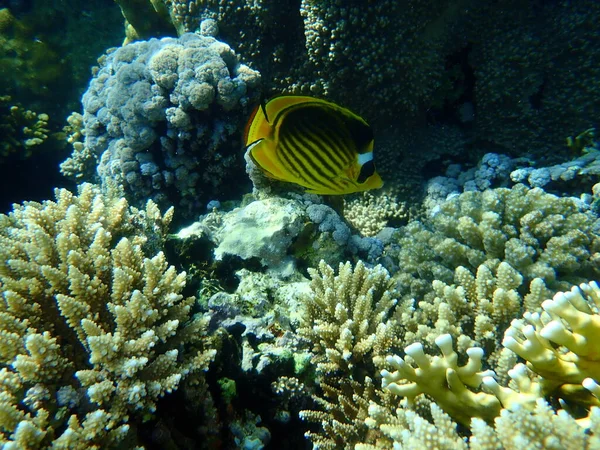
[159, 117]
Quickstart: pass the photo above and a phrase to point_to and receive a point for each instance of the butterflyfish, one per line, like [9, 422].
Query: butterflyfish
[313, 143]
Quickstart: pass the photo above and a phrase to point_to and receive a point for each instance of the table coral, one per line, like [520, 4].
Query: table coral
[82, 305]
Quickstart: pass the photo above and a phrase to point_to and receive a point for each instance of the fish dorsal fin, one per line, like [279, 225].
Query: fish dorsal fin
[277, 105]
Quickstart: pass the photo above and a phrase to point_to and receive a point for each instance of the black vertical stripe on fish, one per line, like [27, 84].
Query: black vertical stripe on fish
[316, 171]
[337, 139]
[319, 164]
[329, 127]
[327, 146]
[318, 151]
[295, 139]
[290, 163]
[300, 168]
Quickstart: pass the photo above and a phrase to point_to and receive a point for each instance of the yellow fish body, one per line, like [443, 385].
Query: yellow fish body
[312, 143]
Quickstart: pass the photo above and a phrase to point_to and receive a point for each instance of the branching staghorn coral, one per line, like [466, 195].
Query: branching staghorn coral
[514, 429]
[498, 402]
[347, 320]
[347, 316]
[92, 330]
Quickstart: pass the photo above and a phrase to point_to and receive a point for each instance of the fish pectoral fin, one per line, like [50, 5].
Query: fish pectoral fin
[264, 156]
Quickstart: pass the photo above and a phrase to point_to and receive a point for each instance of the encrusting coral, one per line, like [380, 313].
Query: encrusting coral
[93, 331]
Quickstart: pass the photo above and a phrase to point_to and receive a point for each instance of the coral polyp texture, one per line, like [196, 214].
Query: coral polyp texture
[539, 234]
[93, 329]
[162, 117]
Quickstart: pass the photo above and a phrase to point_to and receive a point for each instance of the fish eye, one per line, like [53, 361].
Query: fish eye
[366, 170]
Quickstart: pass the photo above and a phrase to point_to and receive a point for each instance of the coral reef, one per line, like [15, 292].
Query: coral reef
[562, 360]
[538, 234]
[559, 344]
[94, 332]
[433, 63]
[159, 117]
[498, 402]
[514, 429]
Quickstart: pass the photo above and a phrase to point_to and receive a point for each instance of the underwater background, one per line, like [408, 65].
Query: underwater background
[161, 290]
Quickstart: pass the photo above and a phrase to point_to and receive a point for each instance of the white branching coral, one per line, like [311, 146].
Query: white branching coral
[347, 316]
[80, 300]
[515, 429]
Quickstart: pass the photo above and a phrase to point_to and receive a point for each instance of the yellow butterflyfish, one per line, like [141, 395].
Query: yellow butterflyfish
[313, 143]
